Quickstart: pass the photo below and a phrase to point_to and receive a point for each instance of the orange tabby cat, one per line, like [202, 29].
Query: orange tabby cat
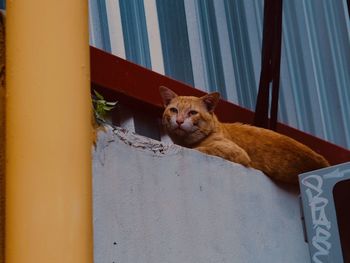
[191, 122]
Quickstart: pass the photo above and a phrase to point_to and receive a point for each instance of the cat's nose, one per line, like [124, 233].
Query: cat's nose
[179, 121]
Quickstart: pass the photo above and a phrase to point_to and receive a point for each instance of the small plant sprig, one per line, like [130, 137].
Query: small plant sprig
[101, 106]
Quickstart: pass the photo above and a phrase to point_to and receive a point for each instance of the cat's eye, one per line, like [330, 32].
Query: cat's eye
[192, 112]
[173, 110]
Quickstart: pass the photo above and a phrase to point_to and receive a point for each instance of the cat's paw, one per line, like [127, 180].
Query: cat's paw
[243, 159]
[235, 154]
[202, 149]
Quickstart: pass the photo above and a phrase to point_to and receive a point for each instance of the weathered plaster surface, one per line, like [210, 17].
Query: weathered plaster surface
[156, 203]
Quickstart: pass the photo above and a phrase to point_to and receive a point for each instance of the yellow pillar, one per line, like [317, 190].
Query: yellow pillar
[2, 136]
[48, 171]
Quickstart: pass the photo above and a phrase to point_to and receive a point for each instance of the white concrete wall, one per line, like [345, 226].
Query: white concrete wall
[155, 203]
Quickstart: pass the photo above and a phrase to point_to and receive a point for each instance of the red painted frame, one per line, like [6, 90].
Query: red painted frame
[132, 84]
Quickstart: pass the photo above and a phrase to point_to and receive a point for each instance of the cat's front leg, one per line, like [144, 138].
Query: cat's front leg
[227, 150]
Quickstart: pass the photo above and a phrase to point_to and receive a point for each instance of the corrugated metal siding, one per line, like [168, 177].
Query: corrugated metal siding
[174, 38]
[216, 45]
[99, 26]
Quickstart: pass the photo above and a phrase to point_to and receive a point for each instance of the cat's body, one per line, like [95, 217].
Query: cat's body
[190, 122]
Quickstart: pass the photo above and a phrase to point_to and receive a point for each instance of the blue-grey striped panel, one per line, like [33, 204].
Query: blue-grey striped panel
[174, 39]
[323, 92]
[241, 54]
[135, 32]
[98, 16]
[211, 47]
[296, 68]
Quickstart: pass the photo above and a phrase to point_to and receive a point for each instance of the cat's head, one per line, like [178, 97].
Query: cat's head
[187, 119]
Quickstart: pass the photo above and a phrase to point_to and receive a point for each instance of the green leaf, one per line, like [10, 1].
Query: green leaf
[112, 103]
[98, 95]
[108, 108]
[101, 106]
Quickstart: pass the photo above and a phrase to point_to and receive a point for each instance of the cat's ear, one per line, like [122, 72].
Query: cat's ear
[211, 100]
[167, 95]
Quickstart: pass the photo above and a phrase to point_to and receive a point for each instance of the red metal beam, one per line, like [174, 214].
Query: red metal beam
[133, 84]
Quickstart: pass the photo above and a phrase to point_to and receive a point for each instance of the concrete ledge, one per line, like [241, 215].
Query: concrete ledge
[162, 203]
